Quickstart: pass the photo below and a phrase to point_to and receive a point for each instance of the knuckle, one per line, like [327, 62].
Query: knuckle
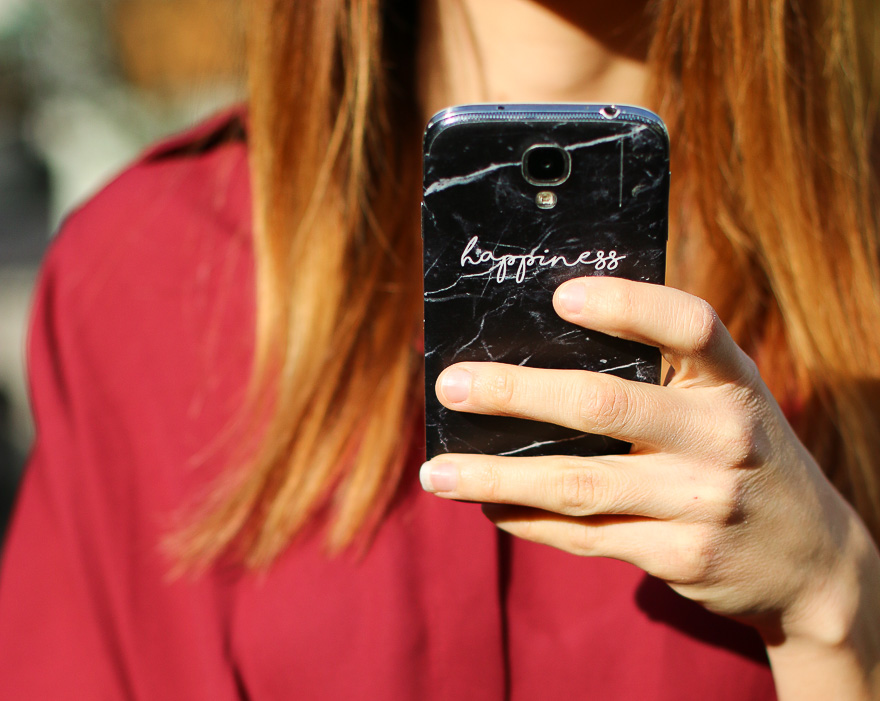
[694, 559]
[500, 390]
[733, 505]
[577, 491]
[742, 434]
[724, 504]
[603, 407]
[707, 327]
[586, 540]
[491, 482]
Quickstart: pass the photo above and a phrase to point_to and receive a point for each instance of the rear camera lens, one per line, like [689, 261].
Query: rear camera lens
[546, 164]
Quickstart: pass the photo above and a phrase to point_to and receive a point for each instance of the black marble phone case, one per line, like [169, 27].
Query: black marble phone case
[493, 258]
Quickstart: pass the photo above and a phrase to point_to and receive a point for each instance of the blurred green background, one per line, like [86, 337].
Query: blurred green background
[85, 85]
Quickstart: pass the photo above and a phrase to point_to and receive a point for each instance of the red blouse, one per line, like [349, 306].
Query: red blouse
[139, 352]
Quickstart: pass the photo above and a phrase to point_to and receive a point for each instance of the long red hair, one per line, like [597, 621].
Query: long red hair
[771, 108]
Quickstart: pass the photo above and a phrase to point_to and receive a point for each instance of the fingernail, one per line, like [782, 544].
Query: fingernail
[442, 477]
[572, 297]
[456, 385]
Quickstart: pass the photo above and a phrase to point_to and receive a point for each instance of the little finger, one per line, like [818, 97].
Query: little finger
[664, 549]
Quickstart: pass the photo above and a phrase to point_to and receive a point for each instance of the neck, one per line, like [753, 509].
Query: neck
[529, 51]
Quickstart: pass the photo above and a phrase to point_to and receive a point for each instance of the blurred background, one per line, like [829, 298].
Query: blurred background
[85, 85]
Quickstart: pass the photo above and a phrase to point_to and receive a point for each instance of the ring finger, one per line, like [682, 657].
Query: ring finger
[643, 485]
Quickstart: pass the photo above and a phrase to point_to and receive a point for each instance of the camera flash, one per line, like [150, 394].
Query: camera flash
[546, 199]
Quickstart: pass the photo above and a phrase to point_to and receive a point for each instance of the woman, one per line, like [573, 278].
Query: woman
[317, 570]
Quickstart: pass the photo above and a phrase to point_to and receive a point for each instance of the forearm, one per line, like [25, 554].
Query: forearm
[835, 651]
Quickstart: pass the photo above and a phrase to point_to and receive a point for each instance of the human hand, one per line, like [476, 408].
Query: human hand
[718, 497]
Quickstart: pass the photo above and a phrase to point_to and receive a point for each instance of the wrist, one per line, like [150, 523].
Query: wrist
[829, 646]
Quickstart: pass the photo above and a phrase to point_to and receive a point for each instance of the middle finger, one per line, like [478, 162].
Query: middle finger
[635, 412]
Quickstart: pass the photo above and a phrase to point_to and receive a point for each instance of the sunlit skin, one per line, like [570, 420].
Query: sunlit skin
[517, 50]
[718, 497]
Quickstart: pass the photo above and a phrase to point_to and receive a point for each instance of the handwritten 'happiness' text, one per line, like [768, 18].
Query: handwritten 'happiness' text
[473, 255]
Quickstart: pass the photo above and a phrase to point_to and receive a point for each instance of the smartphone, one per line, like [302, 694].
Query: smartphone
[518, 198]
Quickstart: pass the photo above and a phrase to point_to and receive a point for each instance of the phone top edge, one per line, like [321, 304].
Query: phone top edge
[502, 111]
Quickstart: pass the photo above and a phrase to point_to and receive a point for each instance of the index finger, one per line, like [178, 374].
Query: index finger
[685, 328]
